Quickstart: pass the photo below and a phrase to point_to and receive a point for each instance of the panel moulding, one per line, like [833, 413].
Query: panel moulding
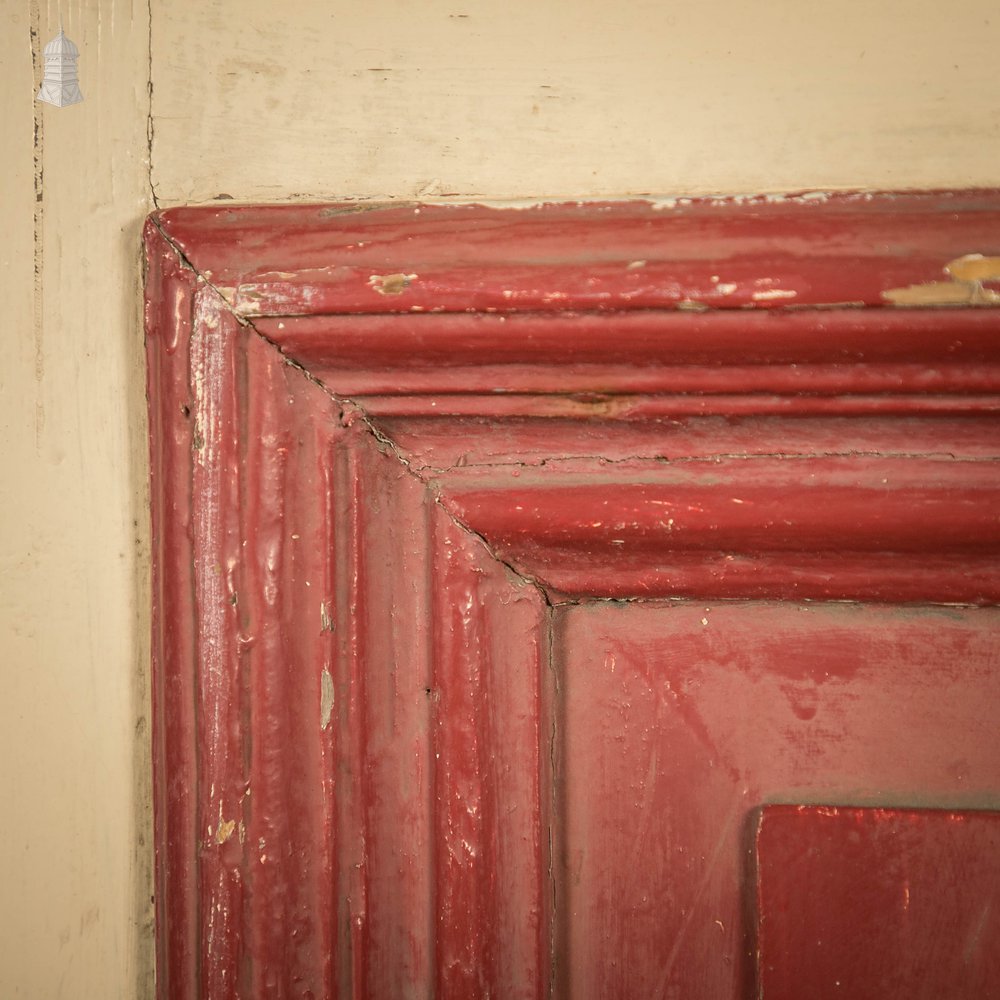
[383, 441]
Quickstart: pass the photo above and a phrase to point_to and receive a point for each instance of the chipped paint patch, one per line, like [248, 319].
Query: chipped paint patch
[325, 618]
[325, 699]
[205, 374]
[974, 267]
[968, 273]
[932, 293]
[225, 831]
[391, 284]
[773, 293]
[764, 198]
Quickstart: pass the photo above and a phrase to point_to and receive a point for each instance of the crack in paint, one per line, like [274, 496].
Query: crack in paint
[713, 458]
[38, 255]
[351, 411]
[150, 123]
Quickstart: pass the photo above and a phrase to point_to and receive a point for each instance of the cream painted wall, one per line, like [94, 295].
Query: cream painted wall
[338, 99]
[74, 877]
[573, 98]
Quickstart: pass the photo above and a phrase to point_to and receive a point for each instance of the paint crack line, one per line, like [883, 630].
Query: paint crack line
[150, 122]
[351, 410]
[38, 225]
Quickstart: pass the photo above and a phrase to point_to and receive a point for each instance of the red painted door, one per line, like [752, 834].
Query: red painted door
[681, 721]
[583, 601]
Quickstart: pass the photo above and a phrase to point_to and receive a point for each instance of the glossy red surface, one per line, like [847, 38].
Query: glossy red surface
[680, 720]
[759, 253]
[420, 729]
[875, 903]
[864, 527]
[347, 735]
[723, 351]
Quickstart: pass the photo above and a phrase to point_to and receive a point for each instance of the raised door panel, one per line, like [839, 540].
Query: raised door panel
[877, 902]
[680, 721]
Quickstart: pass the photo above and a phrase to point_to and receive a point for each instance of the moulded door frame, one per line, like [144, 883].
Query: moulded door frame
[387, 441]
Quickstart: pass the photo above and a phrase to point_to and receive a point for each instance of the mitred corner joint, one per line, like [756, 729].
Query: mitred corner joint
[364, 418]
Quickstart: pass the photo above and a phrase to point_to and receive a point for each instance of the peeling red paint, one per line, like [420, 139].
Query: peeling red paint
[404, 742]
